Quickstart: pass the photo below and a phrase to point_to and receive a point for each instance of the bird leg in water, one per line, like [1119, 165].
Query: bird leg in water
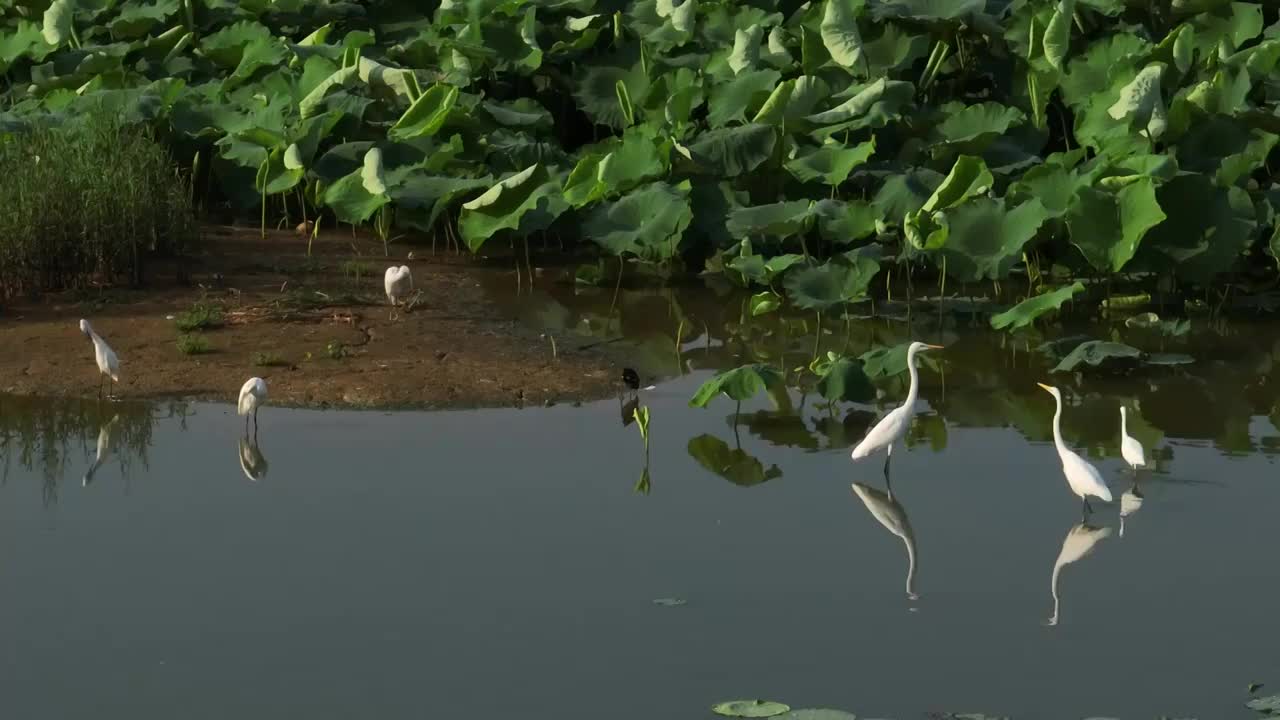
[100, 376]
[888, 455]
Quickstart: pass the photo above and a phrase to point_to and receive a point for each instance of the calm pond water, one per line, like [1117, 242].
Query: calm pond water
[503, 563]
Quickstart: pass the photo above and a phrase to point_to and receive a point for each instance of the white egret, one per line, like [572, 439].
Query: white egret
[108, 363]
[252, 394]
[1084, 478]
[884, 508]
[1130, 503]
[893, 427]
[1079, 542]
[1130, 448]
[397, 282]
[106, 443]
[252, 462]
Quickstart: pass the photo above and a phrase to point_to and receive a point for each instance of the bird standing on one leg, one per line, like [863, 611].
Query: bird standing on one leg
[398, 282]
[893, 427]
[108, 363]
[1083, 478]
[252, 394]
[1130, 448]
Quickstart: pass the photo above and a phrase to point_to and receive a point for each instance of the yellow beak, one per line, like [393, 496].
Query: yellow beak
[1045, 387]
[934, 347]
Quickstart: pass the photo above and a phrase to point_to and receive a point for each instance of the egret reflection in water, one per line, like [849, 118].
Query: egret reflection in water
[1080, 542]
[890, 513]
[252, 462]
[106, 443]
[1130, 503]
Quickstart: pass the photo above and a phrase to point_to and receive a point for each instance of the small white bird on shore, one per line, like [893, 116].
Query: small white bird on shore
[252, 395]
[1083, 477]
[1130, 449]
[398, 282]
[893, 427]
[108, 363]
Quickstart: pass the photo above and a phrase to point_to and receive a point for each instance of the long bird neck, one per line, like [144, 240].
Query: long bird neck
[1124, 423]
[1057, 426]
[914, 390]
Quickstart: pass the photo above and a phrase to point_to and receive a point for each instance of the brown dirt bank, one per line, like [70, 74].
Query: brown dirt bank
[451, 349]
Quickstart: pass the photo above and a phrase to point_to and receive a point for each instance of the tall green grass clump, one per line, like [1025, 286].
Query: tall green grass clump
[89, 199]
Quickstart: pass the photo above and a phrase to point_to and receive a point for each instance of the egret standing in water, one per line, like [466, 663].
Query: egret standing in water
[108, 363]
[1130, 449]
[1083, 477]
[252, 394]
[397, 282]
[893, 427]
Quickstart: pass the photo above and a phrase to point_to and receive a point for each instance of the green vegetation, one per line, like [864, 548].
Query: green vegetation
[193, 345]
[823, 152]
[87, 199]
[201, 316]
[335, 350]
[268, 359]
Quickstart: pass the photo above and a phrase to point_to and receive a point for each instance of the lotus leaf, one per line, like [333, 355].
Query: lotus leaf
[1025, 312]
[740, 383]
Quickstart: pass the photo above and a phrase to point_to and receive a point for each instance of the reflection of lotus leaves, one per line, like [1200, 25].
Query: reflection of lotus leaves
[736, 466]
[778, 429]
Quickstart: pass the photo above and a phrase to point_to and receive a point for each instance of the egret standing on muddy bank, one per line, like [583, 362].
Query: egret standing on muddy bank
[894, 426]
[252, 394]
[397, 282]
[108, 363]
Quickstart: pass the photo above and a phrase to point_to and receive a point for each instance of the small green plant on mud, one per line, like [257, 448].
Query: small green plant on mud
[355, 270]
[335, 350]
[201, 316]
[193, 345]
[267, 359]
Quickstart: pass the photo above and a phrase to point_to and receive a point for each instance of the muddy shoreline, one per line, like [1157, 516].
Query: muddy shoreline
[318, 329]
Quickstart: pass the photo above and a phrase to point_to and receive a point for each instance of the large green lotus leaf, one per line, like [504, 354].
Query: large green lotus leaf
[895, 49]
[839, 32]
[23, 39]
[597, 91]
[1099, 353]
[845, 379]
[736, 466]
[1096, 71]
[755, 269]
[731, 152]
[281, 172]
[833, 283]
[740, 383]
[729, 101]
[350, 201]
[984, 238]
[969, 177]
[1140, 103]
[746, 49]
[136, 19]
[1057, 33]
[906, 192]
[873, 105]
[1055, 186]
[427, 114]
[1241, 23]
[372, 172]
[831, 163]
[400, 81]
[1107, 228]
[782, 219]
[633, 160]
[647, 222]
[925, 10]
[420, 199]
[525, 113]
[261, 53]
[842, 223]
[1026, 312]
[502, 206]
[1207, 228]
[313, 102]
[888, 361]
[58, 18]
[976, 123]
[226, 46]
